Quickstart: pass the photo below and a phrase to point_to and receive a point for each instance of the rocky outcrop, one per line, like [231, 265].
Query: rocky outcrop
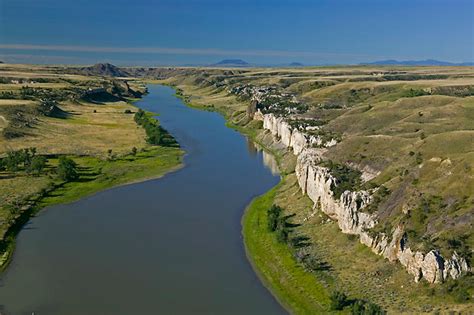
[289, 136]
[316, 181]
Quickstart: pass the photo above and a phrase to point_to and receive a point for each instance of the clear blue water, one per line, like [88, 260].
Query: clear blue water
[166, 246]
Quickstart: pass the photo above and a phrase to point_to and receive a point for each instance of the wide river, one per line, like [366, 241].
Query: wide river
[167, 246]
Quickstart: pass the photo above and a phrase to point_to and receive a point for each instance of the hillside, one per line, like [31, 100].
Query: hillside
[100, 69]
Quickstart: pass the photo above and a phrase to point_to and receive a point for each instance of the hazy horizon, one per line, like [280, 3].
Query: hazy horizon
[260, 32]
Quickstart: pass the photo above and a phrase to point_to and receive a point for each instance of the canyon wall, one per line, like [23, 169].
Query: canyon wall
[316, 181]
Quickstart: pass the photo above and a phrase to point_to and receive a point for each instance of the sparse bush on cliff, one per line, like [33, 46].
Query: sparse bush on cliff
[346, 178]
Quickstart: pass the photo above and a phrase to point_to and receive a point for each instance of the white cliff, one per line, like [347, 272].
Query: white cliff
[316, 181]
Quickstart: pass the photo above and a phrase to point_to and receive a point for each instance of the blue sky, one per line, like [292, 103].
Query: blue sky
[146, 32]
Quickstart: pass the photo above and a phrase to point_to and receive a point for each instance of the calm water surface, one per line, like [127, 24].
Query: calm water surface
[166, 246]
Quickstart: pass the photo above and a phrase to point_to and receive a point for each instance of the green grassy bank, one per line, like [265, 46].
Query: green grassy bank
[295, 288]
[95, 175]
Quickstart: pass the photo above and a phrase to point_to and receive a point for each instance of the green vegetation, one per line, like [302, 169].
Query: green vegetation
[94, 174]
[23, 160]
[67, 169]
[156, 134]
[338, 301]
[346, 177]
[273, 261]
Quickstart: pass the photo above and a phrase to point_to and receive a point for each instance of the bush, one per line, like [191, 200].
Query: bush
[338, 301]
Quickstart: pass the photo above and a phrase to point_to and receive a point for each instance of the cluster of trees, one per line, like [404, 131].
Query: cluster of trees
[29, 161]
[25, 159]
[156, 134]
[7, 95]
[339, 301]
[278, 223]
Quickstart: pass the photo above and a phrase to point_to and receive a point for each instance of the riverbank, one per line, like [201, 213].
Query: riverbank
[297, 290]
[347, 265]
[108, 147]
[169, 229]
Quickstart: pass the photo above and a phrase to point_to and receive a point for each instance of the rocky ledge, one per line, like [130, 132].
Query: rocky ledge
[316, 181]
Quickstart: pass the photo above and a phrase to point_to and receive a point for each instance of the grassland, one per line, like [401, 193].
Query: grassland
[410, 127]
[97, 132]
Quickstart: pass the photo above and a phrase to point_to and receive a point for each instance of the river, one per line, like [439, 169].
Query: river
[167, 246]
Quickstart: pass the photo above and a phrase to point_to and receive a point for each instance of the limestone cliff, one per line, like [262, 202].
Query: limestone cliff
[348, 211]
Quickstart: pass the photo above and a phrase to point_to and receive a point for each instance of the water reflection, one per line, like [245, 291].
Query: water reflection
[268, 159]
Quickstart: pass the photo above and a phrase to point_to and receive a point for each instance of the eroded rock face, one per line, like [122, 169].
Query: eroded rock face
[316, 181]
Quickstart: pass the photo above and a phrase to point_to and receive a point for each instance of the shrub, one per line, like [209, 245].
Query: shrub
[346, 178]
[419, 158]
[338, 301]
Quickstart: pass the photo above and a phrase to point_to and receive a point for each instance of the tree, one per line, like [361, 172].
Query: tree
[134, 151]
[37, 165]
[12, 161]
[67, 169]
[273, 217]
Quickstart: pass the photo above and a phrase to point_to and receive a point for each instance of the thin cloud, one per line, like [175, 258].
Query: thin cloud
[178, 51]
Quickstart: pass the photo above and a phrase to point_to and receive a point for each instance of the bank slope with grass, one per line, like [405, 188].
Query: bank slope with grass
[293, 286]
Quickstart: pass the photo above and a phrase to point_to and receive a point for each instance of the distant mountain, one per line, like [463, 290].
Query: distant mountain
[101, 69]
[231, 63]
[296, 64]
[427, 62]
